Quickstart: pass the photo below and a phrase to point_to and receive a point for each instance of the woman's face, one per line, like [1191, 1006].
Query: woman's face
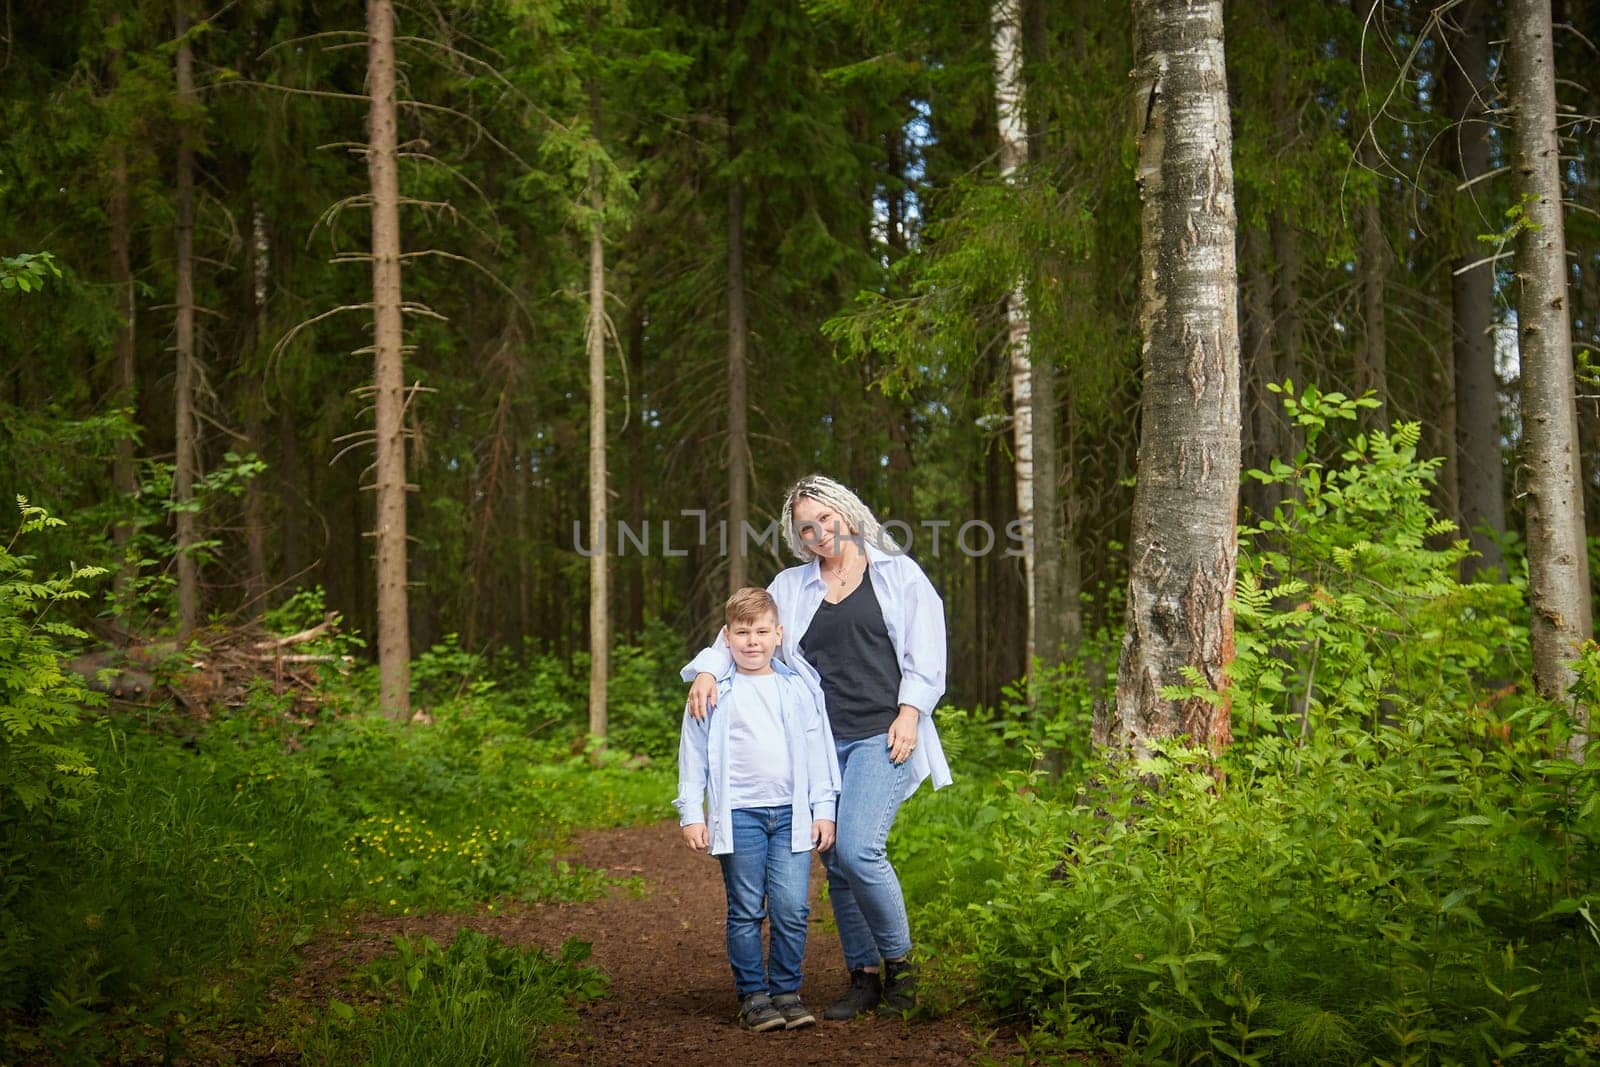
[821, 527]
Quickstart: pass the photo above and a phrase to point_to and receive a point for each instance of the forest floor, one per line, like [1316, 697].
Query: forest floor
[658, 936]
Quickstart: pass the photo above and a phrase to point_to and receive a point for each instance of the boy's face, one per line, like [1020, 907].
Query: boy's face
[753, 641]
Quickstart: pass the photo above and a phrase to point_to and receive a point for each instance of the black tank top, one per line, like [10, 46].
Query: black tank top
[849, 646]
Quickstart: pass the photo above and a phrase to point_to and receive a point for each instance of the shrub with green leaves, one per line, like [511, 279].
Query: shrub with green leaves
[40, 703]
[1395, 862]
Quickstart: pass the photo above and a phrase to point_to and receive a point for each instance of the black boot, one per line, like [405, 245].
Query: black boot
[899, 987]
[866, 989]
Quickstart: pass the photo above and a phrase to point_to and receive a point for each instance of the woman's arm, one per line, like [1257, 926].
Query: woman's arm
[923, 650]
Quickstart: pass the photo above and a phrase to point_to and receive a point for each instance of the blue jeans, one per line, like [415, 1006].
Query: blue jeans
[765, 879]
[862, 885]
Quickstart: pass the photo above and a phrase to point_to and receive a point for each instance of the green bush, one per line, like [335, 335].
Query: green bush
[209, 851]
[41, 762]
[1394, 862]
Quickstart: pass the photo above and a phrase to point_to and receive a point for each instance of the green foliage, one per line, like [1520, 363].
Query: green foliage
[1405, 873]
[1349, 602]
[27, 271]
[41, 761]
[478, 1001]
[210, 851]
[644, 694]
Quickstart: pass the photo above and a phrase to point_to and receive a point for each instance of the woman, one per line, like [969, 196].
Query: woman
[865, 628]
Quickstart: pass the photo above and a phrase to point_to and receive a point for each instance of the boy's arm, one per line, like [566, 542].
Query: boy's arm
[694, 768]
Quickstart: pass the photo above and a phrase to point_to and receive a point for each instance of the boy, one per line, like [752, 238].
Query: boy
[757, 786]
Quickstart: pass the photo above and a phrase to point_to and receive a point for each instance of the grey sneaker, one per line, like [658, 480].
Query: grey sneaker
[899, 987]
[795, 1014]
[757, 1013]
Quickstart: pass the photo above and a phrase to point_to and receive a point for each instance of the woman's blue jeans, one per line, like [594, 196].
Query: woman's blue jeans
[862, 885]
[765, 879]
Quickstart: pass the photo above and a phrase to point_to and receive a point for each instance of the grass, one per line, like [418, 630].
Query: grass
[207, 855]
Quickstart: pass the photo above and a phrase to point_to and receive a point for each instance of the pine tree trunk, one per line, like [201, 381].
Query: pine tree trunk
[255, 504]
[738, 389]
[1558, 572]
[1372, 359]
[124, 476]
[1185, 503]
[1372, 356]
[634, 446]
[1480, 480]
[184, 476]
[1288, 327]
[292, 500]
[394, 628]
[1259, 415]
[599, 598]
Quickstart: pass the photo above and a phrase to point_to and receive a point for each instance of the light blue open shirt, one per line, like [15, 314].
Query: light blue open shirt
[912, 613]
[703, 763]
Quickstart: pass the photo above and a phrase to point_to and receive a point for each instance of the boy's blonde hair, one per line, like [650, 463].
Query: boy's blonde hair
[849, 507]
[751, 604]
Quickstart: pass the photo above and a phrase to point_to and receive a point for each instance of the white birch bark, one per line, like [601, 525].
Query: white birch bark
[1010, 105]
[1183, 543]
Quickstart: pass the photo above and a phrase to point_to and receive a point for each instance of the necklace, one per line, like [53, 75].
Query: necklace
[840, 576]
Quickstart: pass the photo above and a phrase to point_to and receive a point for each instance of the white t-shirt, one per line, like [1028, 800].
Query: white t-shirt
[759, 774]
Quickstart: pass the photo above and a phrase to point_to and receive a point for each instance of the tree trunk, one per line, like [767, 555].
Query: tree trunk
[292, 500]
[1185, 503]
[1480, 480]
[1011, 114]
[1288, 328]
[124, 476]
[255, 503]
[183, 477]
[394, 627]
[634, 447]
[738, 390]
[1558, 571]
[1372, 357]
[1259, 416]
[599, 599]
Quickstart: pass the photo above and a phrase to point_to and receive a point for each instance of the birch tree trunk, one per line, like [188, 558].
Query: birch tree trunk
[599, 596]
[1185, 504]
[183, 477]
[1558, 571]
[1479, 469]
[388, 357]
[1010, 108]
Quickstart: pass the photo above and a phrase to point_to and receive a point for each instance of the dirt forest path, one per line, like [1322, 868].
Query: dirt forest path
[671, 998]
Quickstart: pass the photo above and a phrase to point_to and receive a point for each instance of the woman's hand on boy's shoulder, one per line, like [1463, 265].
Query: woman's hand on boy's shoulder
[702, 695]
[695, 836]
